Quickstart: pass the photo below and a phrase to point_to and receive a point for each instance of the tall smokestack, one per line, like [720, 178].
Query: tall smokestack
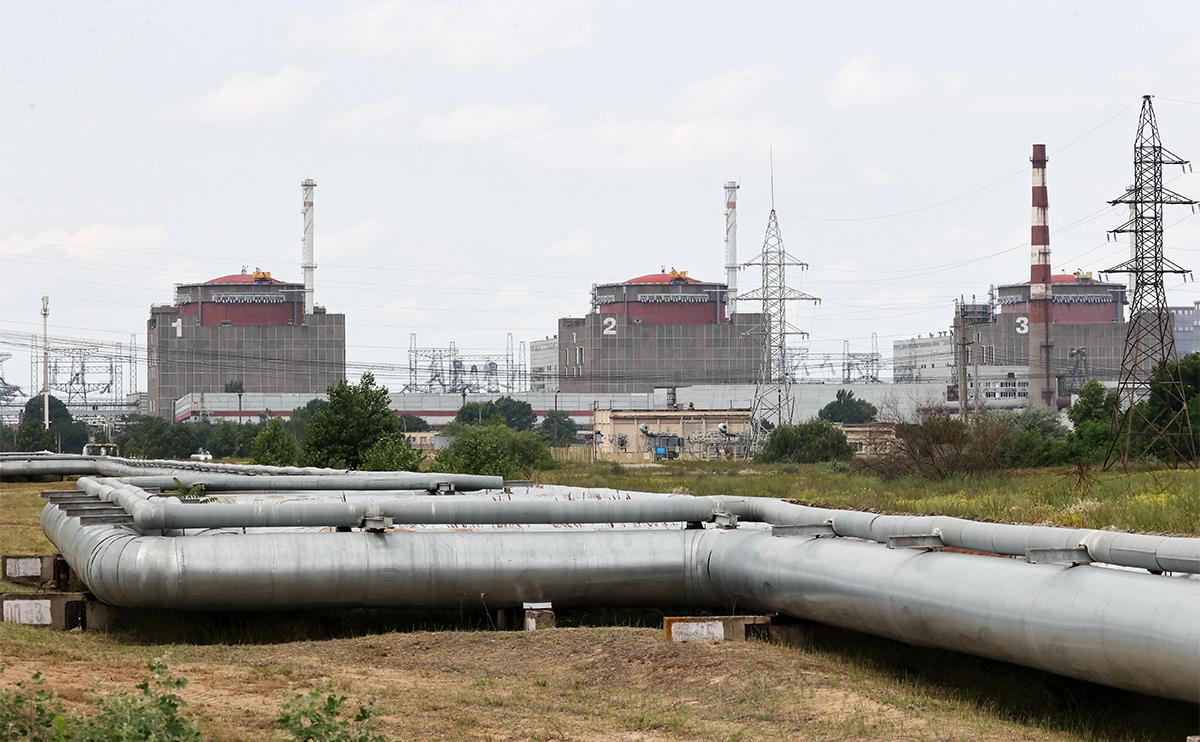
[1041, 382]
[307, 265]
[731, 264]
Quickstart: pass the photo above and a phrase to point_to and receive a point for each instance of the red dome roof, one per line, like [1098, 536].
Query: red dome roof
[664, 278]
[243, 278]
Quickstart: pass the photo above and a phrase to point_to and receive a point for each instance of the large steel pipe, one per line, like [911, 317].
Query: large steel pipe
[397, 569]
[1117, 627]
[1110, 626]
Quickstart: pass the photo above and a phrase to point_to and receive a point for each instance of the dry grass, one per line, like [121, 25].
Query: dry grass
[596, 683]
[590, 683]
[1149, 502]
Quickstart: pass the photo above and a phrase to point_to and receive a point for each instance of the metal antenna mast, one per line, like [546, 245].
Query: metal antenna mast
[773, 391]
[1151, 410]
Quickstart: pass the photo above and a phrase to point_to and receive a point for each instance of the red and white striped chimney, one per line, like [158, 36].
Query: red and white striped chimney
[1041, 380]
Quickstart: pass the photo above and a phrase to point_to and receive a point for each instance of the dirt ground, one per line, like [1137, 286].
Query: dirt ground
[569, 683]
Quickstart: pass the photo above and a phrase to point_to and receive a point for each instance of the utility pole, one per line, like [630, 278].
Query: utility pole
[1143, 422]
[46, 362]
[773, 389]
[961, 358]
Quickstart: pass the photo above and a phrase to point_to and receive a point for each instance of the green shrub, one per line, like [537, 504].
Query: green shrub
[558, 429]
[321, 716]
[497, 450]
[151, 714]
[275, 445]
[341, 432]
[391, 453]
[806, 443]
[28, 712]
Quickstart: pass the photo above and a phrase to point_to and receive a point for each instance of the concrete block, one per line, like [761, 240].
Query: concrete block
[535, 620]
[712, 628]
[27, 570]
[62, 611]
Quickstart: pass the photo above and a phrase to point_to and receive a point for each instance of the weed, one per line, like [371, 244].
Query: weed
[321, 715]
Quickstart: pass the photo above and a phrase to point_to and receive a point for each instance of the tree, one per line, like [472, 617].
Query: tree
[517, 415]
[223, 442]
[303, 416]
[497, 450]
[154, 438]
[412, 423]
[391, 453]
[557, 429]
[1094, 404]
[846, 409]
[358, 415]
[806, 443]
[514, 413]
[275, 445]
[235, 386]
[479, 413]
[64, 431]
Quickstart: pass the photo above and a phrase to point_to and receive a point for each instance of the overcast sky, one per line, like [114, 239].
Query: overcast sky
[482, 164]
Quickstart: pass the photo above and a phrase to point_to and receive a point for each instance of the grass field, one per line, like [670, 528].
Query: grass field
[1148, 502]
[605, 676]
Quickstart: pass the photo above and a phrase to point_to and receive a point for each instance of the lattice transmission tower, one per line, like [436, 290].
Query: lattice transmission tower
[773, 390]
[1151, 411]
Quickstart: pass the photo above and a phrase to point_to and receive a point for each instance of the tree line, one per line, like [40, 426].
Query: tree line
[934, 443]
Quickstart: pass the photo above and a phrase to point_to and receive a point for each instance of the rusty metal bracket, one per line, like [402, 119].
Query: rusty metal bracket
[812, 530]
[930, 541]
[376, 523]
[1074, 557]
[725, 520]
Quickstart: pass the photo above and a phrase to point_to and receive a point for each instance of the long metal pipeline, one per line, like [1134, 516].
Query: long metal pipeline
[158, 473]
[1157, 553]
[1112, 626]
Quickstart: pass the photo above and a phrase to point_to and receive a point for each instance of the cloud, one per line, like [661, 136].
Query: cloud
[473, 33]
[383, 117]
[482, 122]
[637, 144]
[859, 82]
[577, 244]
[354, 240]
[242, 97]
[726, 91]
[93, 242]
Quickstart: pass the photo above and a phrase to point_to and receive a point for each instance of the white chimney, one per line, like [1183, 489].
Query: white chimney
[307, 265]
[731, 264]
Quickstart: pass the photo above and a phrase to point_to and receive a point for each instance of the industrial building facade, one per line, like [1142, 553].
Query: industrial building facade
[543, 365]
[1186, 325]
[659, 330]
[1087, 336]
[248, 329]
[647, 435]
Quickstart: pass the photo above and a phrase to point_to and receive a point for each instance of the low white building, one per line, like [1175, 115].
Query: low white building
[923, 359]
[543, 365]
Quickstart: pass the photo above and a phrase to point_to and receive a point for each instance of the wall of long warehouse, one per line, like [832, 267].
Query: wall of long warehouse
[439, 409]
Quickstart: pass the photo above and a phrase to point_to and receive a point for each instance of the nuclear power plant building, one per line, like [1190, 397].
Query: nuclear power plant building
[247, 330]
[659, 330]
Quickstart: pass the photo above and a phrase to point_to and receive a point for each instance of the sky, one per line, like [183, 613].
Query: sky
[480, 165]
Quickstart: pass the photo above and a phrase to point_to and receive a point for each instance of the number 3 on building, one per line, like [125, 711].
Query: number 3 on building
[1022, 325]
[610, 325]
